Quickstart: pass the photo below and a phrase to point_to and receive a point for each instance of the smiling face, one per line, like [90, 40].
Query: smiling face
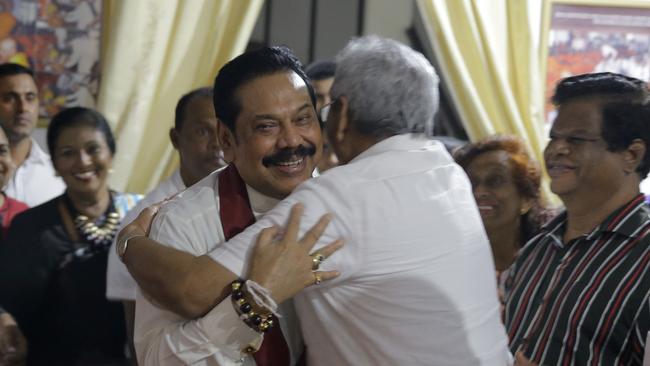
[18, 106]
[82, 158]
[576, 157]
[277, 138]
[499, 201]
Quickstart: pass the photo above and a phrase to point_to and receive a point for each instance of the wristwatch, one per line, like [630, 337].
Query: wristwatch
[123, 243]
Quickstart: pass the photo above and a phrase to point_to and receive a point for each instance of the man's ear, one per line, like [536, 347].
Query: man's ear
[173, 137]
[227, 141]
[633, 155]
[343, 123]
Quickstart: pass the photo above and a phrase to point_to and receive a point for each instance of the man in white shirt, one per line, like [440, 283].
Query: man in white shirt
[194, 135]
[417, 282]
[34, 181]
[270, 133]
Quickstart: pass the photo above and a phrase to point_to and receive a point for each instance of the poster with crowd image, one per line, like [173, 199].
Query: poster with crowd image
[60, 40]
[587, 36]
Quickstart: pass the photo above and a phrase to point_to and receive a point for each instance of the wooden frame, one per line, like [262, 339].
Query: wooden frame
[599, 22]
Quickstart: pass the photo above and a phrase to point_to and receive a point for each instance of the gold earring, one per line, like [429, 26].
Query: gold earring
[110, 171]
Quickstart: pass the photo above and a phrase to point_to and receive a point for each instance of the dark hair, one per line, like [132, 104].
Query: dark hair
[526, 174]
[246, 67]
[181, 106]
[602, 84]
[74, 117]
[320, 70]
[622, 124]
[11, 69]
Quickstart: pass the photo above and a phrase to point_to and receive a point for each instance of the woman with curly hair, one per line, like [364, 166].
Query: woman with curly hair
[506, 183]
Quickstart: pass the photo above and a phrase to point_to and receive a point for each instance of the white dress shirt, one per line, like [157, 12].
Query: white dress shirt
[34, 181]
[417, 282]
[120, 285]
[191, 222]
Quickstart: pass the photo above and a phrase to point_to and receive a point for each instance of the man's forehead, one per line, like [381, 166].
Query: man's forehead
[577, 116]
[275, 93]
[18, 82]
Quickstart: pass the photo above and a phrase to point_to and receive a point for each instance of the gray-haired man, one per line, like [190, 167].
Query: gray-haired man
[417, 280]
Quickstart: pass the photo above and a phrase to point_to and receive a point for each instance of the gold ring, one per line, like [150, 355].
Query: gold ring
[317, 279]
[316, 260]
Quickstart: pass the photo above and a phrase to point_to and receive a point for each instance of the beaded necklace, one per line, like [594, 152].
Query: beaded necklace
[97, 233]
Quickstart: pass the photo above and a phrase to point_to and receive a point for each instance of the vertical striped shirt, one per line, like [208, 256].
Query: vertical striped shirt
[587, 301]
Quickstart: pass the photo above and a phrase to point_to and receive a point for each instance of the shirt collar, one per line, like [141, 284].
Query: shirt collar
[625, 220]
[554, 230]
[404, 142]
[37, 155]
[260, 203]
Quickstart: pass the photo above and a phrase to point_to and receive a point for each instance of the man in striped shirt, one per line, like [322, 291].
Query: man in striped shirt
[578, 294]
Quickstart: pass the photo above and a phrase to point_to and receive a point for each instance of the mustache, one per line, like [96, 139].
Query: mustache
[287, 153]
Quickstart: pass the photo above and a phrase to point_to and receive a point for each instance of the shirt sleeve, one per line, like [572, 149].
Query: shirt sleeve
[164, 338]
[119, 283]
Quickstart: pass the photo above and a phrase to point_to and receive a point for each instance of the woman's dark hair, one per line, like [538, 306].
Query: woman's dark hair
[74, 117]
[246, 67]
[526, 174]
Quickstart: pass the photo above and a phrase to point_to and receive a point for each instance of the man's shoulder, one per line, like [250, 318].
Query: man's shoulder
[162, 191]
[190, 220]
[199, 198]
[167, 188]
[387, 165]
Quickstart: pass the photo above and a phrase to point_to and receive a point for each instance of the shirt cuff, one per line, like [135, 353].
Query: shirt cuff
[224, 329]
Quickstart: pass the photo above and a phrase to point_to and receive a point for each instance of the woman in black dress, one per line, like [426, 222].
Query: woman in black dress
[53, 263]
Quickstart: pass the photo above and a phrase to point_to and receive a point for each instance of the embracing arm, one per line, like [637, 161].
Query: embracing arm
[186, 284]
[190, 286]
[163, 338]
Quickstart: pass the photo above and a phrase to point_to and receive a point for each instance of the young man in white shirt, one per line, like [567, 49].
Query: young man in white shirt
[194, 135]
[417, 284]
[34, 181]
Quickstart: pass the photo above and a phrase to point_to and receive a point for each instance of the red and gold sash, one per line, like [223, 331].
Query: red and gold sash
[236, 215]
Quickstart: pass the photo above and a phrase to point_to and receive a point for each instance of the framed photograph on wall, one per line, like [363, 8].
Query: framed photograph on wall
[582, 36]
[60, 41]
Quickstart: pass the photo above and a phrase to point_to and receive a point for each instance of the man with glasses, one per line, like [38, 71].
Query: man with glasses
[579, 291]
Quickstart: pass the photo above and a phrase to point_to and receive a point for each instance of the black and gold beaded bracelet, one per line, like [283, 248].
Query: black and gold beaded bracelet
[258, 322]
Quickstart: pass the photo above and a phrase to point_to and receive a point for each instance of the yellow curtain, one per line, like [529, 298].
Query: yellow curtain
[486, 53]
[155, 51]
